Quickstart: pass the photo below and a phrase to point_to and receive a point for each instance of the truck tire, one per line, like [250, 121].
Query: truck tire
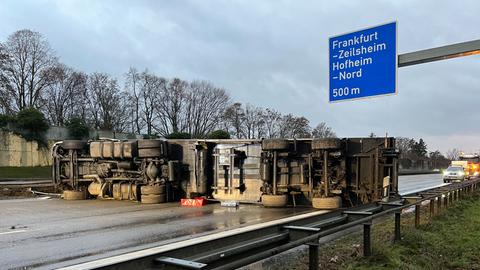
[326, 144]
[145, 144]
[73, 144]
[275, 144]
[274, 200]
[72, 195]
[153, 198]
[334, 202]
[152, 190]
[150, 152]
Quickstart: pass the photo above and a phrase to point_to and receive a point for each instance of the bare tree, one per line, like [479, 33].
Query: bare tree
[169, 106]
[107, 105]
[5, 98]
[64, 96]
[254, 124]
[234, 117]
[132, 78]
[323, 131]
[453, 154]
[150, 86]
[294, 127]
[404, 145]
[29, 58]
[204, 107]
[272, 120]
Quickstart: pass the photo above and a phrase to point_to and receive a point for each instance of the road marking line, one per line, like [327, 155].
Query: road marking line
[17, 231]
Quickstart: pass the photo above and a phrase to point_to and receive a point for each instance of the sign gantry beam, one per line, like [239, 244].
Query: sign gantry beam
[439, 53]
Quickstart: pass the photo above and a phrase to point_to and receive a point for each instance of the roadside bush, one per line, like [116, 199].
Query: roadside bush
[218, 134]
[6, 119]
[77, 129]
[179, 135]
[151, 136]
[31, 124]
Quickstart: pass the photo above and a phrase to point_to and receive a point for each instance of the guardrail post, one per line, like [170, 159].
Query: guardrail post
[445, 200]
[367, 239]
[439, 203]
[417, 215]
[432, 207]
[313, 249]
[398, 237]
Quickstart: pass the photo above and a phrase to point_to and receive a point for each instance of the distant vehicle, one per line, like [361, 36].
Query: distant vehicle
[473, 164]
[470, 164]
[454, 174]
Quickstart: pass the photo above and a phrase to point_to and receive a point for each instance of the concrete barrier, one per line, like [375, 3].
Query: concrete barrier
[17, 152]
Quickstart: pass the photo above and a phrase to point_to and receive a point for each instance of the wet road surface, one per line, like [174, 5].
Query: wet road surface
[413, 183]
[50, 233]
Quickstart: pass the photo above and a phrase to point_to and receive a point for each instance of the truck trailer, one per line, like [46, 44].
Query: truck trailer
[326, 173]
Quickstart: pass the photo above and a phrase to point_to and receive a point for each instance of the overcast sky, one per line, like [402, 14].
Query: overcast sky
[275, 54]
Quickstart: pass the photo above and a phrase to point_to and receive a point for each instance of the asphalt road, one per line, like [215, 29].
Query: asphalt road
[413, 183]
[50, 233]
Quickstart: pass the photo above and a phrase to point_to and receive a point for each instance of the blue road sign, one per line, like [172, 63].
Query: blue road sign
[363, 63]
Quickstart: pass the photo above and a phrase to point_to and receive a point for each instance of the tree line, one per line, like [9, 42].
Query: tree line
[415, 154]
[33, 78]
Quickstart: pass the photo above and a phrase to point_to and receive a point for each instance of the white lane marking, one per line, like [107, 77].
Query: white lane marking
[16, 231]
[151, 251]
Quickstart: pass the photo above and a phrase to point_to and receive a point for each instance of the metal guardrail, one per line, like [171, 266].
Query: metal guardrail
[236, 250]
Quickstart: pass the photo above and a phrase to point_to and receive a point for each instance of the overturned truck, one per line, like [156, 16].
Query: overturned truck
[326, 173]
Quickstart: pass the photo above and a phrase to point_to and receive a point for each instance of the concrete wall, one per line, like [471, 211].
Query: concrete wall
[17, 152]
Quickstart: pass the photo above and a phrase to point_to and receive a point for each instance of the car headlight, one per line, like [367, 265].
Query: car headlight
[461, 173]
[445, 173]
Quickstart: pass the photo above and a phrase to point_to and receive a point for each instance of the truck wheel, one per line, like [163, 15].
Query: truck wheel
[274, 144]
[72, 195]
[326, 144]
[153, 198]
[145, 144]
[327, 203]
[152, 189]
[274, 200]
[73, 144]
[150, 152]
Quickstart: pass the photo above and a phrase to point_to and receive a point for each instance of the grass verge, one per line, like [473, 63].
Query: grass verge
[25, 172]
[449, 240]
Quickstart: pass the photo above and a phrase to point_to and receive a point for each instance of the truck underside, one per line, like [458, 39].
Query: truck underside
[327, 173]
